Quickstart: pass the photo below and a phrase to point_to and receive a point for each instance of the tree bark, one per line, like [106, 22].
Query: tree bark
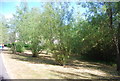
[110, 17]
[118, 49]
[117, 40]
[35, 53]
[14, 48]
[109, 11]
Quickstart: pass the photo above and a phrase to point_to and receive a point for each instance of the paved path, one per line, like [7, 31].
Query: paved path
[3, 72]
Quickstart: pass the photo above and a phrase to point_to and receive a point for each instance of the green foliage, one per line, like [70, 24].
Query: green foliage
[9, 45]
[53, 29]
[27, 46]
[19, 47]
[57, 35]
[61, 57]
[3, 30]
[29, 28]
[13, 48]
[98, 41]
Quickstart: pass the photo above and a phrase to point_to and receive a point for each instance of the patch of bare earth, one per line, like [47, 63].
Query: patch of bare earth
[26, 67]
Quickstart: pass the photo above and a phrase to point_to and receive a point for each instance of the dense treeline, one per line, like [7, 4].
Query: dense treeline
[56, 29]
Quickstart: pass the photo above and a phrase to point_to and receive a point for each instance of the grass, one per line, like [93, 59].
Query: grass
[79, 57]
[44, 67]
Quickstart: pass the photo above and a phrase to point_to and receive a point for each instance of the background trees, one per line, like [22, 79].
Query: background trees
[55, 28]
[108, 11]
[3, 30]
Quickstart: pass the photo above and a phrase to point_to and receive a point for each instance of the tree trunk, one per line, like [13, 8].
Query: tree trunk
[118, 58]
[13, 49]
[117, 40]
[118, 49]
[35, 55]
[109, 11]
[110, 17]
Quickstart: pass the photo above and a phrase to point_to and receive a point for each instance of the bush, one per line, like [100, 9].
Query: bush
[61, 57]
[19, 47]
[94, 43]
[27, 46]
[13, 48]
[35, 48]
[9, 45]
[102, 53]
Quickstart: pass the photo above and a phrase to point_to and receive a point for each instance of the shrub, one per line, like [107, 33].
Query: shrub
[19, 47]
[27, 46]
[9, 45]
[61, 57]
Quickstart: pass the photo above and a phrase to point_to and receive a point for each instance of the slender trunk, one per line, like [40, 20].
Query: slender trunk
[110, 17]
[118, 58]
[117, 41]
[35, 55]
[109, 11]
[13, 44]
[118, 49]
[13, 49]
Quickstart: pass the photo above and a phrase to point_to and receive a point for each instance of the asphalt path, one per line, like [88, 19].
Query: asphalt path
[3, 71]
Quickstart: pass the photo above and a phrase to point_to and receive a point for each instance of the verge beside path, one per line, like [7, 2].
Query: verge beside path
[16, 69]
[22, 69]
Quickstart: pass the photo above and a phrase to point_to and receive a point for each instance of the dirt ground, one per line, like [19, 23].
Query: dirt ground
[21, 66]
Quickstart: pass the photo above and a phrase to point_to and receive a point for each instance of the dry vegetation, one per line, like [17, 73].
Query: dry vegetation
[23, 66]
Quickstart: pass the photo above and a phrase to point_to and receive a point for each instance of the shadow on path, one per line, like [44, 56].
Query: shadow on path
[68, 75]
[37, 60]
[77, 65]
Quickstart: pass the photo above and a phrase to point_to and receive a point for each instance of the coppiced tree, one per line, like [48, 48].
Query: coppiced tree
[58, 33]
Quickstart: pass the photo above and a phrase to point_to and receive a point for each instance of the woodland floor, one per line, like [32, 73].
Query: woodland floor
[23, 66]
